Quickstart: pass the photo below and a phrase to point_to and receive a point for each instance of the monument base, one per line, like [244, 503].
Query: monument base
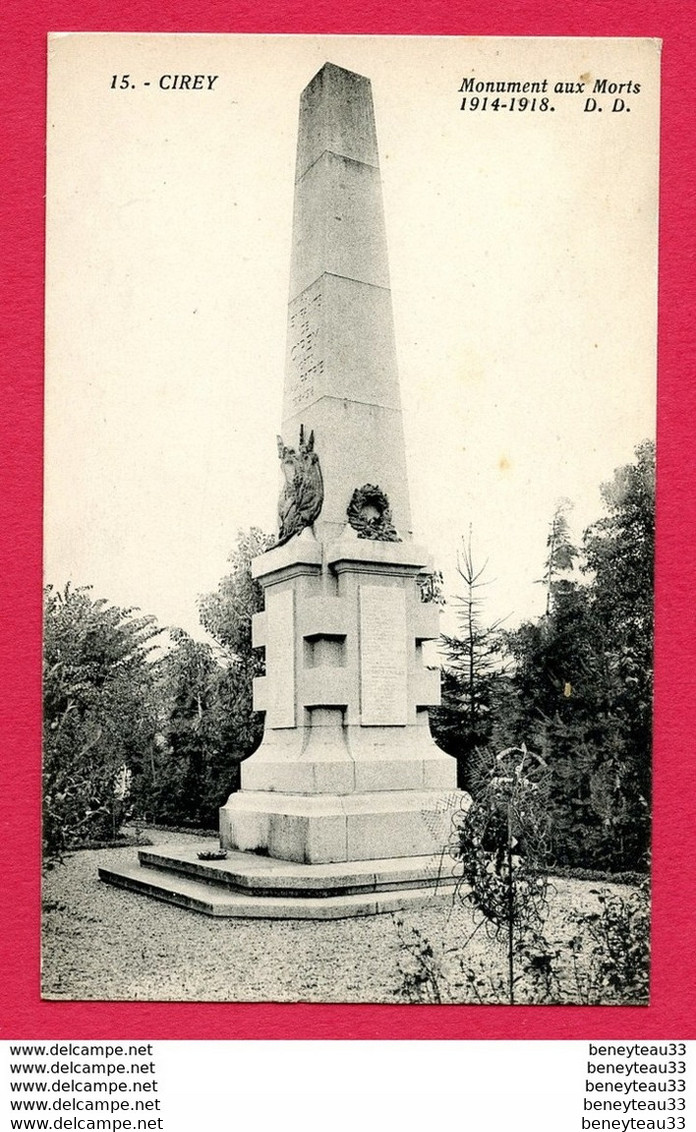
[251, 886]
[323, 829]
[347, 770]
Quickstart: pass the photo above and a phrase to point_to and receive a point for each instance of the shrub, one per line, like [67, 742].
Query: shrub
[611, 948]
[99, 714]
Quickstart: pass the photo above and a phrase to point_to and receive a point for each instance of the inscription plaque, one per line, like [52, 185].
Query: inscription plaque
[305, 348]
[280, 658]
[383, 662]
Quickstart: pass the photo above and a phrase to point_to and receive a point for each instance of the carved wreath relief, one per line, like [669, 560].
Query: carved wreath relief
[302, 493]
[370, 515]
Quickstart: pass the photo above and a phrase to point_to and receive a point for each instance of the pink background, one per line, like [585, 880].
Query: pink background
[672, 1013]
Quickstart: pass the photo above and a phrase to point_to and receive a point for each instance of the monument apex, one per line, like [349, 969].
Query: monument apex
[341, 377]
[336, 115]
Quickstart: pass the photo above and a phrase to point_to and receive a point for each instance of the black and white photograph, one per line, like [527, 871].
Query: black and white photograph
[349, 518]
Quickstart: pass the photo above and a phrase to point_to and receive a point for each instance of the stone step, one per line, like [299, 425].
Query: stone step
[214, 899]
[259, 875]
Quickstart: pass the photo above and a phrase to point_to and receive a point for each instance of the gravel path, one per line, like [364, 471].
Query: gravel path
[102, 942]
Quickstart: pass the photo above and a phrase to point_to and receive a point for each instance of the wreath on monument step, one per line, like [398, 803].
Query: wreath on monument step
[370, 515]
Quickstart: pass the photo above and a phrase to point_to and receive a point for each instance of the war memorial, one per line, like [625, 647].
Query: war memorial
[345, 807]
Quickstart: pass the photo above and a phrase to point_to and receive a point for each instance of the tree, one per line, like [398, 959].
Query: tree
[583, 673]
[227, 612]
[227, 615]
[99, 712]
[620, 550]
[561, 551]
[190, 774]
[471, 677]
[207, 722]
[619, 556]
[557, 680]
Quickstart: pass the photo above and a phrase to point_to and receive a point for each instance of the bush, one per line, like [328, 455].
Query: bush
[614, 944]
[99, 715]
[499, 844]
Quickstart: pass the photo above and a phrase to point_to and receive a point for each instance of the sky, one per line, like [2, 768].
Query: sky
[522, 251]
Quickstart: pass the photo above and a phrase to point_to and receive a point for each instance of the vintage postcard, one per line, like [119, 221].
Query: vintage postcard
[349, 518]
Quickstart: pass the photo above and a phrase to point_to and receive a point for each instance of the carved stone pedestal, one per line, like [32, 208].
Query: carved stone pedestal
[347, 770]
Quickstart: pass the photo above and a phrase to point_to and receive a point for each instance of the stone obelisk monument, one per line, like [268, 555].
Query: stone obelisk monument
[344, 809]
[347, 770]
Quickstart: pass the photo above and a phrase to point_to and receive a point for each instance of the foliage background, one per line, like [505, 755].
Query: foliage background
[574, 686]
